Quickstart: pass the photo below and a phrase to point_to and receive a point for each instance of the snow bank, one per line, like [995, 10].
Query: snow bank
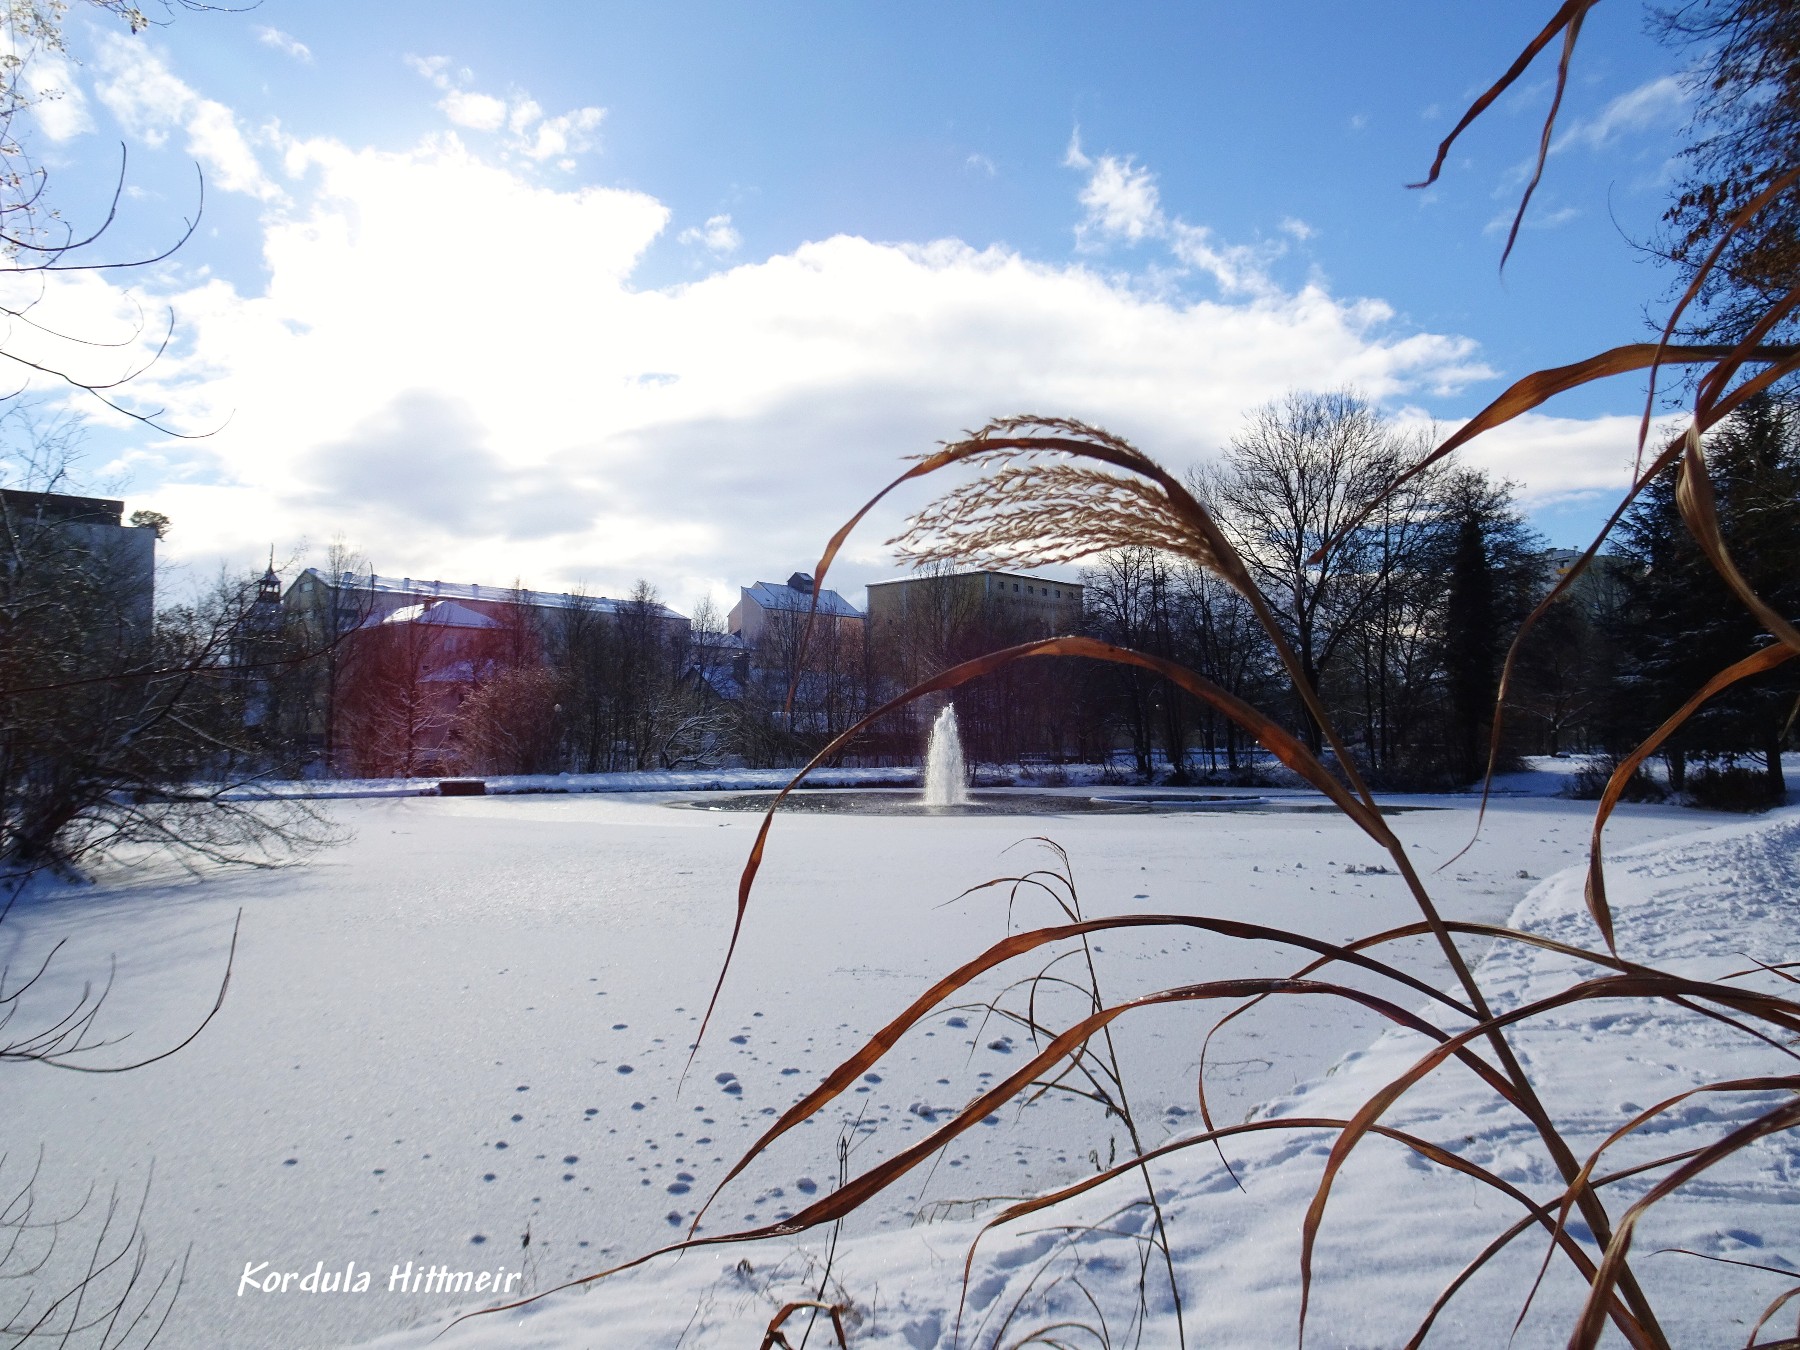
[1397, 1229]
[648, 780]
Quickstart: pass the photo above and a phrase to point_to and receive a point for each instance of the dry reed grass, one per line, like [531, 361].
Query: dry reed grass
[1058, 490]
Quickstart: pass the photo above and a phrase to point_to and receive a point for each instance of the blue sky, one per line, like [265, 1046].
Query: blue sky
[582, 293]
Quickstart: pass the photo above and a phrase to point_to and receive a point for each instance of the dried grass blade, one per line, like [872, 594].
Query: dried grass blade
[1275, 738]
[1404, 931]
[1587, 1329]
[1571, 12]
[1699, 508]
[773, 1336]
[1571, 32]
[1744, 216]
[1567, 1203]
[1766, 659]
[1536, 1213]
[1779, 1302]
[1524, 1225]
[847, 1073]
[1646, 984]
[877, 1178]
[1542, 385]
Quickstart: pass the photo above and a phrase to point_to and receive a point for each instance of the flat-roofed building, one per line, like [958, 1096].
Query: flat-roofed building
[90, 532]
[1010, 602]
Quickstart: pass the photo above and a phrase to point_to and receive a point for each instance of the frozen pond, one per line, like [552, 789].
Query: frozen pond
[1024, 802]
[470, 1022]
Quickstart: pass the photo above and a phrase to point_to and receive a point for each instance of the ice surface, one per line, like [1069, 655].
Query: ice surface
[471, 1023]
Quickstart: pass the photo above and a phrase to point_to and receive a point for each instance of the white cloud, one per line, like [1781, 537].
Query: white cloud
[718, 236]
[548, 418]
[527, 132]
[1534, 219]
[1656, 103]
[433, 68]
[479, 112]
[1073, 158]
[1121, 201]
[61, 110]
[1122, 204]
[284, 42]
[1559, 459]
[1235, 267]
[570, 133]
[150, 102]
[979, 163]
[1298, 228]
[544, 416]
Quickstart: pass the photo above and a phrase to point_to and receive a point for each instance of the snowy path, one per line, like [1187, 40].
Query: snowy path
[469, 1023]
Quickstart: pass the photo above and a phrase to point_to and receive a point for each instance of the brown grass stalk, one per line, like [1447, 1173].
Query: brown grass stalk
[1057, 490]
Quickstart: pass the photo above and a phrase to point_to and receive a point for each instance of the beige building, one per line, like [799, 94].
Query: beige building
[769, 610]
[1010, 602]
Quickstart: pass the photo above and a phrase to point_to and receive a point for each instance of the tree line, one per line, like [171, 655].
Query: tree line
[1401, 604]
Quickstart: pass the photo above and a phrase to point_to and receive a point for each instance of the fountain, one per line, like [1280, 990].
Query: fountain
[946, 776]
[947, 793]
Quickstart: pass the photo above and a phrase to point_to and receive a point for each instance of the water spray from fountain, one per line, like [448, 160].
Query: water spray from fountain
[946, 776]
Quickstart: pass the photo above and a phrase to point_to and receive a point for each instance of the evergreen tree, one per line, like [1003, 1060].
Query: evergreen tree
[1469, 646]
[1493, 575]
[1680, 624]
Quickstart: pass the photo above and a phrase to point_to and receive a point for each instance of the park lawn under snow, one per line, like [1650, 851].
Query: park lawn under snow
[470, 1023]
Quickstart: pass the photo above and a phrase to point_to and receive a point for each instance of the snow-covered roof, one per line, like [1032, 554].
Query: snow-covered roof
[773, 595]
[460, 590]
[443, 614]
[458, 672]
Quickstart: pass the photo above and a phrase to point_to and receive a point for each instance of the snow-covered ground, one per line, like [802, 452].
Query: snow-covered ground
[470, 1023]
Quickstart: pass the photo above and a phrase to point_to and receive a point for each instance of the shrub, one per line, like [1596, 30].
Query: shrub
[1589, 783]
[1731, 787]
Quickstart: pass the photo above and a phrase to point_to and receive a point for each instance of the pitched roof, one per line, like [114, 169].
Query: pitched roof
[444, 614]
[460, 590]
[773, 595]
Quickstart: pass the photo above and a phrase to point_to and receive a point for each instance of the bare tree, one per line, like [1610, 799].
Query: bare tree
[322, 623]
[510, 723]
[1304, 470]
[119, 725]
